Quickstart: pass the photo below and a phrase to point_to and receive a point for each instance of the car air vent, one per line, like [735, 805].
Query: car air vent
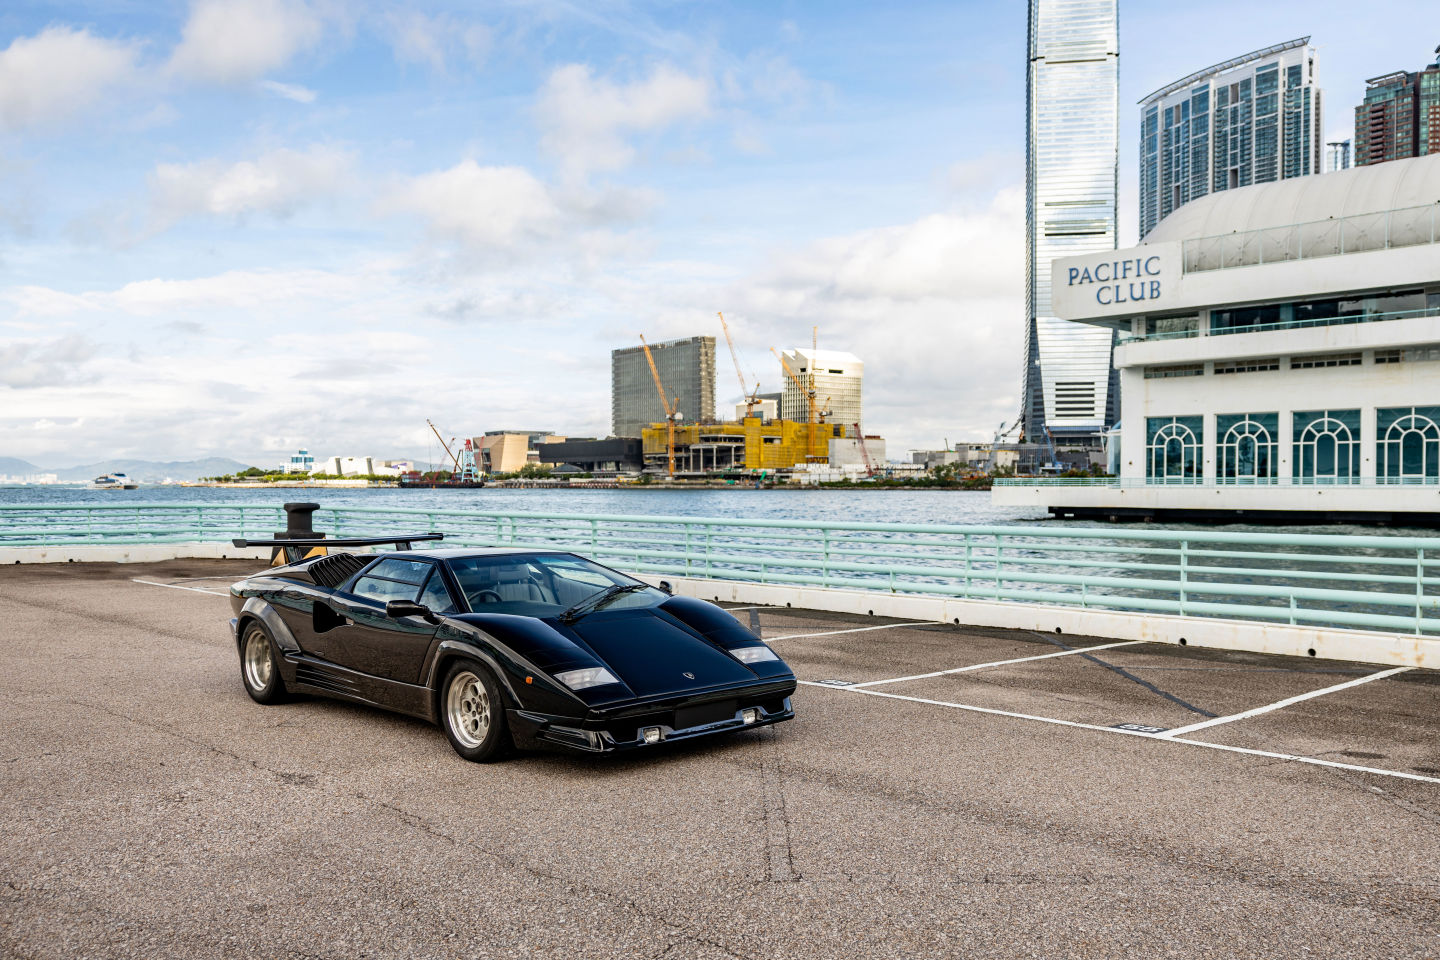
[335, 569]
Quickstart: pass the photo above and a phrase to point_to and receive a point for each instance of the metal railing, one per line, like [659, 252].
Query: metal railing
[1368, 582]
[1132, 483]
[1358, 233]
[1282, 325]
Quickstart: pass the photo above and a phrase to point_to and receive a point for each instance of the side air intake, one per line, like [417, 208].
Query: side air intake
[335, 569]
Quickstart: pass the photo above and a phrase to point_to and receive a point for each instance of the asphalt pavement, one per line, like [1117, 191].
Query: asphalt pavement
[945, 791]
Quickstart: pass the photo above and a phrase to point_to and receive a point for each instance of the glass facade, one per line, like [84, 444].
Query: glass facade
[1172, 449]
[1072, 155]
[1254, 119]
[1407, 443]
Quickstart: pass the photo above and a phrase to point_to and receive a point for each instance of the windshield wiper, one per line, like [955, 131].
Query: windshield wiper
[597, 600]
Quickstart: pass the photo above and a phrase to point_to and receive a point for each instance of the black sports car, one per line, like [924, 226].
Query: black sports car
[505, 647]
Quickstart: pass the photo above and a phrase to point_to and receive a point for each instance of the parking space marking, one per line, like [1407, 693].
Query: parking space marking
[999, 663]
[831, 633]
[1172, 734]
[176, 586]
[1075, 724]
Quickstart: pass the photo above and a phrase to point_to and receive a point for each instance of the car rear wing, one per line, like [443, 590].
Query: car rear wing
[401, 542]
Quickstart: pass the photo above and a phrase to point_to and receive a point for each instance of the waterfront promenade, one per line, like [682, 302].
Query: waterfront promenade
[972, 799]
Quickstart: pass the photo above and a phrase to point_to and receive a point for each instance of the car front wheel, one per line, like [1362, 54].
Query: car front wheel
[258, 667]
[473, 712]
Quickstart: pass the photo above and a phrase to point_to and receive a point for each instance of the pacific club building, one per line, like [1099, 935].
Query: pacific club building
[1279, 355]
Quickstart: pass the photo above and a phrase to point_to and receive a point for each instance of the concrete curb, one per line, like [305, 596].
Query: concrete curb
[130, 553]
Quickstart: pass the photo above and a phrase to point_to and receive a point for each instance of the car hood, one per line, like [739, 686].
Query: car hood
[655, 656]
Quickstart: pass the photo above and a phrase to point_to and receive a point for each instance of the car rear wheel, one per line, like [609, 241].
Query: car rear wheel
[259, 669]
[472, 712]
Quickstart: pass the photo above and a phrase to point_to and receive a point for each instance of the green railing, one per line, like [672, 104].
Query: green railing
[1368, 582]
[1306, 323]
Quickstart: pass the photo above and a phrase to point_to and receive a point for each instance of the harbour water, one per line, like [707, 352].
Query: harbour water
[896, 506]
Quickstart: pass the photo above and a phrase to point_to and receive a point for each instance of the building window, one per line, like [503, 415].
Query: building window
[1327, 446]
[1410, 355]
[1325, 360]
[1175, 370]
[1409, 444]
[1248, 366]
[1173, 449]
[1248, 448]
[1174, 327]
[1074, 399]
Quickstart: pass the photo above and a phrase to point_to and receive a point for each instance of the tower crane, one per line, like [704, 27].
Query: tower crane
[870, 470]
[670, 412]
[751, 397]
[453, 459]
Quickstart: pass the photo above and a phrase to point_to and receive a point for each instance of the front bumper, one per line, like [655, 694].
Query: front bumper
[537, 729]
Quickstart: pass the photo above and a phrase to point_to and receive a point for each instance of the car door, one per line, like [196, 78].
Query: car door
[369, 642]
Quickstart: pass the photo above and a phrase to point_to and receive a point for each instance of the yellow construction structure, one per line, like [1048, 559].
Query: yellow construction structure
[751, 445]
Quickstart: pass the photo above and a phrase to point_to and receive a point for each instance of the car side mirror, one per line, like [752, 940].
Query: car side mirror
[664, 587]
[395, 609]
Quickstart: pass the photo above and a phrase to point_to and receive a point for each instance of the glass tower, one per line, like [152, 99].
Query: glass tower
[1072, 166]
[1253, 119]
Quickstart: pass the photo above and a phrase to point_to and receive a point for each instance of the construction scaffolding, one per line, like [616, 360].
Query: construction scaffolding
[750, 446]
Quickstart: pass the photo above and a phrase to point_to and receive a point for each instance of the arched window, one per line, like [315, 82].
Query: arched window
[1327, 446]
[1409, 444]
[1247, 449]
[1173, 449]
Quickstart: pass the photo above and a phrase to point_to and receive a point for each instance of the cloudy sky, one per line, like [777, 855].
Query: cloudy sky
[235, 227]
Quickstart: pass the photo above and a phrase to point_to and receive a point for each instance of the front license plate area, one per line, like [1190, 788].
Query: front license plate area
[702, 714]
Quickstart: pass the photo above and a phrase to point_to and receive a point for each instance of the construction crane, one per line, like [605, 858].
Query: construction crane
[994, 447]
[453, 459]
[670, 412]
[751, 396]
[870, 470]
[809, 390]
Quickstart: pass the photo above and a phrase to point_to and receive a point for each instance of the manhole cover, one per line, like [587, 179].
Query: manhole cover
[1139, 728]
[836, 683]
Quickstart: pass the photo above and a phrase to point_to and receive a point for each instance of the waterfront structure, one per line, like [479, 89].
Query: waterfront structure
[615, 456]
[751, 445]
[507, 451]
[1072, 166]
[837, 378]
[687, 370]
[1252, 119]
[1281, 353]
[300, 462]
[1400, 116]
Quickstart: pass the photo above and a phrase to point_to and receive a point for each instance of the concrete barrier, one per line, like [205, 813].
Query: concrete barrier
[131, 553]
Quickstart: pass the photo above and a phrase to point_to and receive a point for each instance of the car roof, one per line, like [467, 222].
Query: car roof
[455, 553]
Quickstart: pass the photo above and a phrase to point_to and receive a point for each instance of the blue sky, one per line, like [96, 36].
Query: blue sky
[234, 227]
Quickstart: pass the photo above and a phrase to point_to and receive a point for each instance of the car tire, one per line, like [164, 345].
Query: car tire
[260, 666]
[472, 712]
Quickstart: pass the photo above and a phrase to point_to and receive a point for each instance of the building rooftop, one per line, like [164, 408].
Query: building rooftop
[1376, 188]
[1221, 67]
[826, 357]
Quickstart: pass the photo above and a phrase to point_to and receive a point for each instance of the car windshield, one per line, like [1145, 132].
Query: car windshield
[543, 584]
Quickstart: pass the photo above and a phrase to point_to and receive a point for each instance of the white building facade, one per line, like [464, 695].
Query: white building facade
[838, 378]
[1279, 353]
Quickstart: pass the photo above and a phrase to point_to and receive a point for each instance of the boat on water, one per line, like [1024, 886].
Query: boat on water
[113, 481]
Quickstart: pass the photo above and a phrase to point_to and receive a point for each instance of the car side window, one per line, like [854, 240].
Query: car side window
[436, 595]
[392, 579]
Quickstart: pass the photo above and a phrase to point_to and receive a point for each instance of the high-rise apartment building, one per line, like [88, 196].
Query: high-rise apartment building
[1253, 119]
[687, 370]
[1400, 116]
[1337, 156]
[1072, 165]
[838, 378]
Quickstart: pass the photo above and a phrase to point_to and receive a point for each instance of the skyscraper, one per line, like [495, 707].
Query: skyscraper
[1072, 166]
[686, 368]
[1400, 116]
[1253, 119]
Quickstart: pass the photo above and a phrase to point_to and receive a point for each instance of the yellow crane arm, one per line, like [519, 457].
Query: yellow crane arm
[749, 396]
[656, 374]
[669, 412]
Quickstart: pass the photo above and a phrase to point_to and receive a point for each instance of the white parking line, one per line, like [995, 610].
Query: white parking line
[996, 663]
[174, 586]
[1171, 734]
[831, 633]
[1074, 724]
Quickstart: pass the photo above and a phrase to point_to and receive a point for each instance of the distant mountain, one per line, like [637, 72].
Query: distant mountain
[152, 471]
[12, 467]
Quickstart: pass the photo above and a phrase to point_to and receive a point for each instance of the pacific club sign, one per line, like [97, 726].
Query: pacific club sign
[1116, 283]
[1119, 281]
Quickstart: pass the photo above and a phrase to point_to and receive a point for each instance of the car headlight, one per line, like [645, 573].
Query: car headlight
[757, 654]
[587, 677]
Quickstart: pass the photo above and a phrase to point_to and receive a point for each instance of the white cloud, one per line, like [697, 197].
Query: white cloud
[235, 41]
[37, 363]
[276, 183]
[234, 289]
[585, 120]
[289, 91]
[436, 41]
[488, 207]
[56, 73]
